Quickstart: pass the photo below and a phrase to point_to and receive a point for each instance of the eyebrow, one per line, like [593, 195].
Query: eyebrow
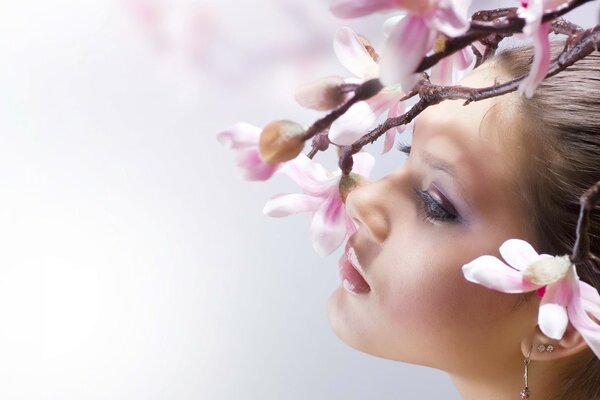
[438, 164]
[441, 165]
[435, 162]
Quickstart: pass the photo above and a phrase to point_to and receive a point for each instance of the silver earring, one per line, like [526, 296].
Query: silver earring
[525, 391]
[542, 348]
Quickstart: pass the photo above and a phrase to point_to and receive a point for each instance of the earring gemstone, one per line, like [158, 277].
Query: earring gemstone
[541, 348]
[525, 393]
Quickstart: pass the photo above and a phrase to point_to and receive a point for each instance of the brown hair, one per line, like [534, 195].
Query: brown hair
[562, 122]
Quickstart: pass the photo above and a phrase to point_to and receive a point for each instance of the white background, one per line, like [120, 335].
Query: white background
[134, 261]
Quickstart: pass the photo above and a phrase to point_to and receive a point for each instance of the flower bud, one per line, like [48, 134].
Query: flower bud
[547, 270]
[369, 47]
[348, 183]
[440, 43]
[281, 141]
[322, 95]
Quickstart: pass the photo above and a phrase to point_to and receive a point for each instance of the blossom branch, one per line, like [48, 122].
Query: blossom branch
[581, 250]
[588, 41]
[488, 22]
[365, 91]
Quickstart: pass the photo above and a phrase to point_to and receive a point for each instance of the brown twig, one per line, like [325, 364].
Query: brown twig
[581, 249]
[363, 92]
[587, 42]
[481, 27]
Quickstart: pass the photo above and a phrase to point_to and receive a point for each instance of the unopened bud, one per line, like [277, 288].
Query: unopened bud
[440, 43]
[369, 47]
[281, 141]
[323, 94]
[348, 183]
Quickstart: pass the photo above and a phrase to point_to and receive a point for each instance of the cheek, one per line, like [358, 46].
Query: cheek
[428, 303]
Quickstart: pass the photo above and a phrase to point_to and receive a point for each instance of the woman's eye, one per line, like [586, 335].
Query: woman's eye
[404, 148]
[433, 211]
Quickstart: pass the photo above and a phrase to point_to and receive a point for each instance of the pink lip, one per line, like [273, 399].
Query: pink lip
[351, 273]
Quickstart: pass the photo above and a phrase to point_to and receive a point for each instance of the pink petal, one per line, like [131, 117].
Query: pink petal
[359, 118]
[464, 58]
[309, 175]
[588, 328]
[492, 273]
[358, 8]
[406, 46]
[240, 135]
[252, 165]
[441, 73]
[363, 163]
[450, 17]
[328, 227]
[590, 298]
[541, 62]
[287, 204]
[353, 55]
[396, 110]
[532, 14]
[518, 253]
[390, 24]
[552, 316]
[351, 226]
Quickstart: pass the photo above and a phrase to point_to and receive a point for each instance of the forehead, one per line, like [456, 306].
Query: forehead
[475, 141]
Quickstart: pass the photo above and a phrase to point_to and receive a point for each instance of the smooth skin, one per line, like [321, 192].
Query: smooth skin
[421, 309]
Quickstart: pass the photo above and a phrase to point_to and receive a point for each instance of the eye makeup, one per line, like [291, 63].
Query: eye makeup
[435, 207]
[436, 211]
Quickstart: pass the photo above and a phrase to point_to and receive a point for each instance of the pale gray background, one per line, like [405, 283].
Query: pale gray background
[135, 263]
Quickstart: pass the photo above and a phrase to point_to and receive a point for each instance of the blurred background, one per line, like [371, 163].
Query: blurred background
[135, 263]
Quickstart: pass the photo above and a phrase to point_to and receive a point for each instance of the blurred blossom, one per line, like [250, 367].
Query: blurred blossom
[235, 48]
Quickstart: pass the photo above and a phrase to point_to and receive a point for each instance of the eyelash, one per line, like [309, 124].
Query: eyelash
[404, 148]
[432, 210]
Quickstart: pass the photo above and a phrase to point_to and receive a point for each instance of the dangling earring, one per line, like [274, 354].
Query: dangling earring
[525, 391]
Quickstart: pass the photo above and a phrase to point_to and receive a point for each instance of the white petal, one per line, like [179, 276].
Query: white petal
[240, 135]
[552, 317]
[309, 175]
[357, 121]
[353, 55]
[492, 273]
[288, 204]
[553, 320]
[363, 163]
[408, 43]
[390, 24]
[518, 253]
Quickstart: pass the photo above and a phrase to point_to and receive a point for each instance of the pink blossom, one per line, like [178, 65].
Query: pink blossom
[532, 11]
[442, 72]
[359, 8]
[243, 139]
[564, 299]
[357, 121]
[320, 196]
[411, 37]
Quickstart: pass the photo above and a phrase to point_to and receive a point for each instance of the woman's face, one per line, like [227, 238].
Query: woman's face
[420, 309]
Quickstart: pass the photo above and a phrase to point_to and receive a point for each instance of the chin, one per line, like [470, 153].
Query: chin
[345, 320]
[350, 323]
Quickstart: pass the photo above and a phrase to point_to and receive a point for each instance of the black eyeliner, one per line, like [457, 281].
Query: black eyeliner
[404, 148]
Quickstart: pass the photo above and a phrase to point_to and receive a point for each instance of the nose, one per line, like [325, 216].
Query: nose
[366, 205]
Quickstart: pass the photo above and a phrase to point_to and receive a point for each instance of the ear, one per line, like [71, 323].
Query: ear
[572, 343]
